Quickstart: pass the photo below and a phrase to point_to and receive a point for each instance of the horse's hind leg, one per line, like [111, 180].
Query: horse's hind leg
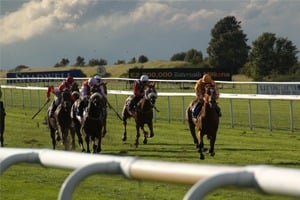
[201, 146]
[192, 126]
[124, 138]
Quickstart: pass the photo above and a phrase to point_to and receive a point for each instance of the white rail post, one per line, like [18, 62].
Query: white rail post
[206, 185]
[81, 173]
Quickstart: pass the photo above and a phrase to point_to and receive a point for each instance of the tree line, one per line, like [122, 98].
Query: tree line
[271, 58]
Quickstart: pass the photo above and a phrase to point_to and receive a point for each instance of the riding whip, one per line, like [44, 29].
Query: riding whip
[114, 111]
[40, 110]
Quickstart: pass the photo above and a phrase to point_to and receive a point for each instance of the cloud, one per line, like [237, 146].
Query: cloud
[38, 17]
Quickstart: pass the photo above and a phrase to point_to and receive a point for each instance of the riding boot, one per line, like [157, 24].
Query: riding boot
[197, 108]
[218, 110]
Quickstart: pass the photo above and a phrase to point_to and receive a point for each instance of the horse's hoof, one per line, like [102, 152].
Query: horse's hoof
[202, 157]
[124, 139]
[145, 141]
[151, 135]
[212, 154]
[83, 150]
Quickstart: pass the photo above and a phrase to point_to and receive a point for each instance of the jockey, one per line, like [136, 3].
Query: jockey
[138, 91]
[66, 84]
[206, 80]
[100, 86]
[93, 84]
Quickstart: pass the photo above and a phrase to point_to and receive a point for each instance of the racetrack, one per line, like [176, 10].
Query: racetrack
[172, 142]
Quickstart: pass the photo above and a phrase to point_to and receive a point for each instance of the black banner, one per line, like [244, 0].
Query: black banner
[21, 77]
[181, 73]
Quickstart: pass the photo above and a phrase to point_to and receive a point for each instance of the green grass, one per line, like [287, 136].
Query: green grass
[172, 142]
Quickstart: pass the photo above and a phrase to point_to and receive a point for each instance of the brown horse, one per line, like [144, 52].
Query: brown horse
[60, 125]
[207, 122]
[93, 121]
[2, 123]
[144, 114]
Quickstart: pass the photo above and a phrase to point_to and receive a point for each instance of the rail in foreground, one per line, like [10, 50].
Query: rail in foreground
[204, 178]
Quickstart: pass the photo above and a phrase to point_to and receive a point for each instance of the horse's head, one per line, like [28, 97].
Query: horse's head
[210, 94]
[151, 94]
[66, 99]
[96, 105]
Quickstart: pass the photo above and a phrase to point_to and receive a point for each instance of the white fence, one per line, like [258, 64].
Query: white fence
[173, 100]
[204, 178]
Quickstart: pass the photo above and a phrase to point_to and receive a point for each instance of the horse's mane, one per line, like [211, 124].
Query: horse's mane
[96, 94]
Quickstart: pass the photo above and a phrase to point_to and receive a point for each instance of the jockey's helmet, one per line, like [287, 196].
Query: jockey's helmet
[70, 80]
[144, 78]
[206, 78]
[92, 82]
[98, 78]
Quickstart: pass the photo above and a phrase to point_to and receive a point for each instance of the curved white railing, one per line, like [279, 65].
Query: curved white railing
[267, 179]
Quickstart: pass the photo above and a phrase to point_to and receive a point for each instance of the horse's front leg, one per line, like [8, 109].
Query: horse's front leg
[65, 141]
[150, 126]
[52, 135]
[1, 139]
[145, 141]
[124, 138]
[98, 150]
[79, 136]
[137, 127]
[104, 131]
[201, 145]
[87, 141]
[212, 145]
[72, 132]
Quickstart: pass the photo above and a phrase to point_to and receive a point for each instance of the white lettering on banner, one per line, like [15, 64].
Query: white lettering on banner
[284, 89]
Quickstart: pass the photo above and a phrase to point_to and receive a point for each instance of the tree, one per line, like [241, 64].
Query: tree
[193, 56]
[79, 61]
[228, 46]
[143, 59]
[178, 57]
[132, 61]
[63, 62]
[95, 62]
[270, 56]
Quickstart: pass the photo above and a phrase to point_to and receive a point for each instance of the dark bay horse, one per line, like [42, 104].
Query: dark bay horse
[207, 122]
[93, 121]
[144, 114]
[2, 123]
[60, 125]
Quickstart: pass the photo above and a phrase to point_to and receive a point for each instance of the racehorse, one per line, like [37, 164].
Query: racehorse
[93, 121]
[207, 121]
[2, 123]
[144, 114]
[60, 125]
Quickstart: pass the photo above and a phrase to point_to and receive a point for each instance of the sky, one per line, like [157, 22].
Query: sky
[39, 33]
